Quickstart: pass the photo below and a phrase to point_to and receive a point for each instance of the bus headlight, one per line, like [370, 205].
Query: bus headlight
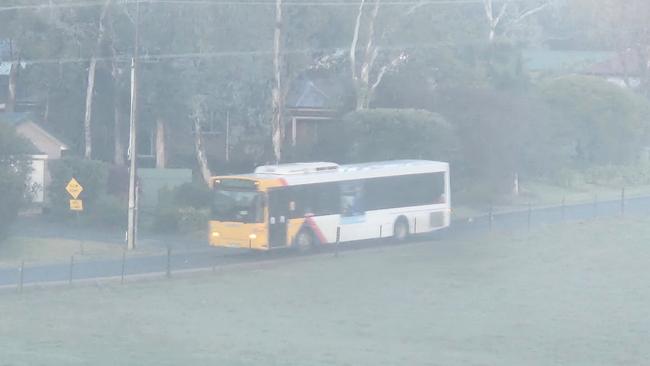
[215, 234]
[252, 236]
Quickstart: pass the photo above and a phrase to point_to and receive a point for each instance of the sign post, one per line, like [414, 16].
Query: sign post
[74, 188]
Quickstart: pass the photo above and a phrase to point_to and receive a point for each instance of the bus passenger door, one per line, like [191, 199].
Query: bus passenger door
[278, 217]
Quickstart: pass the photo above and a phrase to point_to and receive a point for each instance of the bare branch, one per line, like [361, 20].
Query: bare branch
[502, 12]
[415, 7]
[371, 49]
[532, 11]
[355, 40]
[397, 61]
[487, 5]
[380, 76]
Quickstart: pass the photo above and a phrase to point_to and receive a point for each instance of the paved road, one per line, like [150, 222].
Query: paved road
[217, 257]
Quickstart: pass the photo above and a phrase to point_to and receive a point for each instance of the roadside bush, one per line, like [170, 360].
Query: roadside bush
[184, 209]
[109, 211]
[608, 124]
[623, 175]
[501, 134]
[192, 195]
[166, 220]
[191, 219]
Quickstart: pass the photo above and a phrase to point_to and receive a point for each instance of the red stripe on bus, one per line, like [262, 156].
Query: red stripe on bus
[319, 234]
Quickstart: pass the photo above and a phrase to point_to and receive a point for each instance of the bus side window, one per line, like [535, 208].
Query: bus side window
[351, 199]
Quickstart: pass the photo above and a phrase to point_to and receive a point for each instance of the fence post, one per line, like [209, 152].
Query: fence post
[21, 276]
[123, 266]
[71, 269]
[623, 201]
[169, 262]
[563, 211]
[81, 240]
[338, 239]
[530, 213]
[415, 225]
[381, 227]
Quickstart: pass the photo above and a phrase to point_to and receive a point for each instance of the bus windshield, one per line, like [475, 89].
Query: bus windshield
[237, 206]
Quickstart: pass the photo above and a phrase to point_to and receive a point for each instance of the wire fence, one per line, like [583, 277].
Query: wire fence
[179, 259]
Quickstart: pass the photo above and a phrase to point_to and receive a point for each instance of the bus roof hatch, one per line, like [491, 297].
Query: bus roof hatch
[297, 168]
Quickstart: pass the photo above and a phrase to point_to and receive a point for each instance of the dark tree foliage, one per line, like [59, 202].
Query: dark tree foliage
[14, 172]
[386, 134]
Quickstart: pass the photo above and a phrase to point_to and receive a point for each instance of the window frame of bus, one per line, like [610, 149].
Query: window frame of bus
[249, 186]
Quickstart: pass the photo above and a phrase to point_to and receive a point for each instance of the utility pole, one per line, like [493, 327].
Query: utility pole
[131, 234]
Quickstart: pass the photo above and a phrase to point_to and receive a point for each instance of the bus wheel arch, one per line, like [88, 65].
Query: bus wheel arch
[305, 240]
[401, 229]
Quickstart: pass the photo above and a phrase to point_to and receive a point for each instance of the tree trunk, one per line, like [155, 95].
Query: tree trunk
[277, 107]
[118, 148]
[199, 149]
[160, 144]
[13, 82]
[362, 78]
[90, 87]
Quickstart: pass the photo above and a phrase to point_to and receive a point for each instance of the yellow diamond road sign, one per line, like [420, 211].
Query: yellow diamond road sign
[74, 188]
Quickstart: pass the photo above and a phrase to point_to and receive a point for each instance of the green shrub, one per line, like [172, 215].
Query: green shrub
[192, 195]
[14, 171]
[191, 219]
[109, 211]
[618, 176]
[608, 124]
[184, 209]
[166, 220]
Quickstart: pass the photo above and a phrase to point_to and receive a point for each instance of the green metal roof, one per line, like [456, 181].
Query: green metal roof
[557, 60]
[15, 118]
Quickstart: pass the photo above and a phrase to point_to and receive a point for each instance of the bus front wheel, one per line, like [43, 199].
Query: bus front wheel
[304, 241]
[401, 229]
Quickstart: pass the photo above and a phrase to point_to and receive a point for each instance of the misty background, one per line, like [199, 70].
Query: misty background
[515, 94]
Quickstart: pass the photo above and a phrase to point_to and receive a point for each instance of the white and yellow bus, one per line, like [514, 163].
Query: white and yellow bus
[307, 204]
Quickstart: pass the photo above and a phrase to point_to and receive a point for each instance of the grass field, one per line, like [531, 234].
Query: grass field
[566, 295]
[57, 250]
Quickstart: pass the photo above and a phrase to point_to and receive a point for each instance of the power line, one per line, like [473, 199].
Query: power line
[84, 4]
[311, 3]
[317, 3]
[151, 58]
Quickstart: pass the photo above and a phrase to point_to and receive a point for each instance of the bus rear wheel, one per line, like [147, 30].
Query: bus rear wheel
[401, 229]
[304, 241]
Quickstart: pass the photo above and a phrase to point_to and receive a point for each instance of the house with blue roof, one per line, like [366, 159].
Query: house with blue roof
[314, 104]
